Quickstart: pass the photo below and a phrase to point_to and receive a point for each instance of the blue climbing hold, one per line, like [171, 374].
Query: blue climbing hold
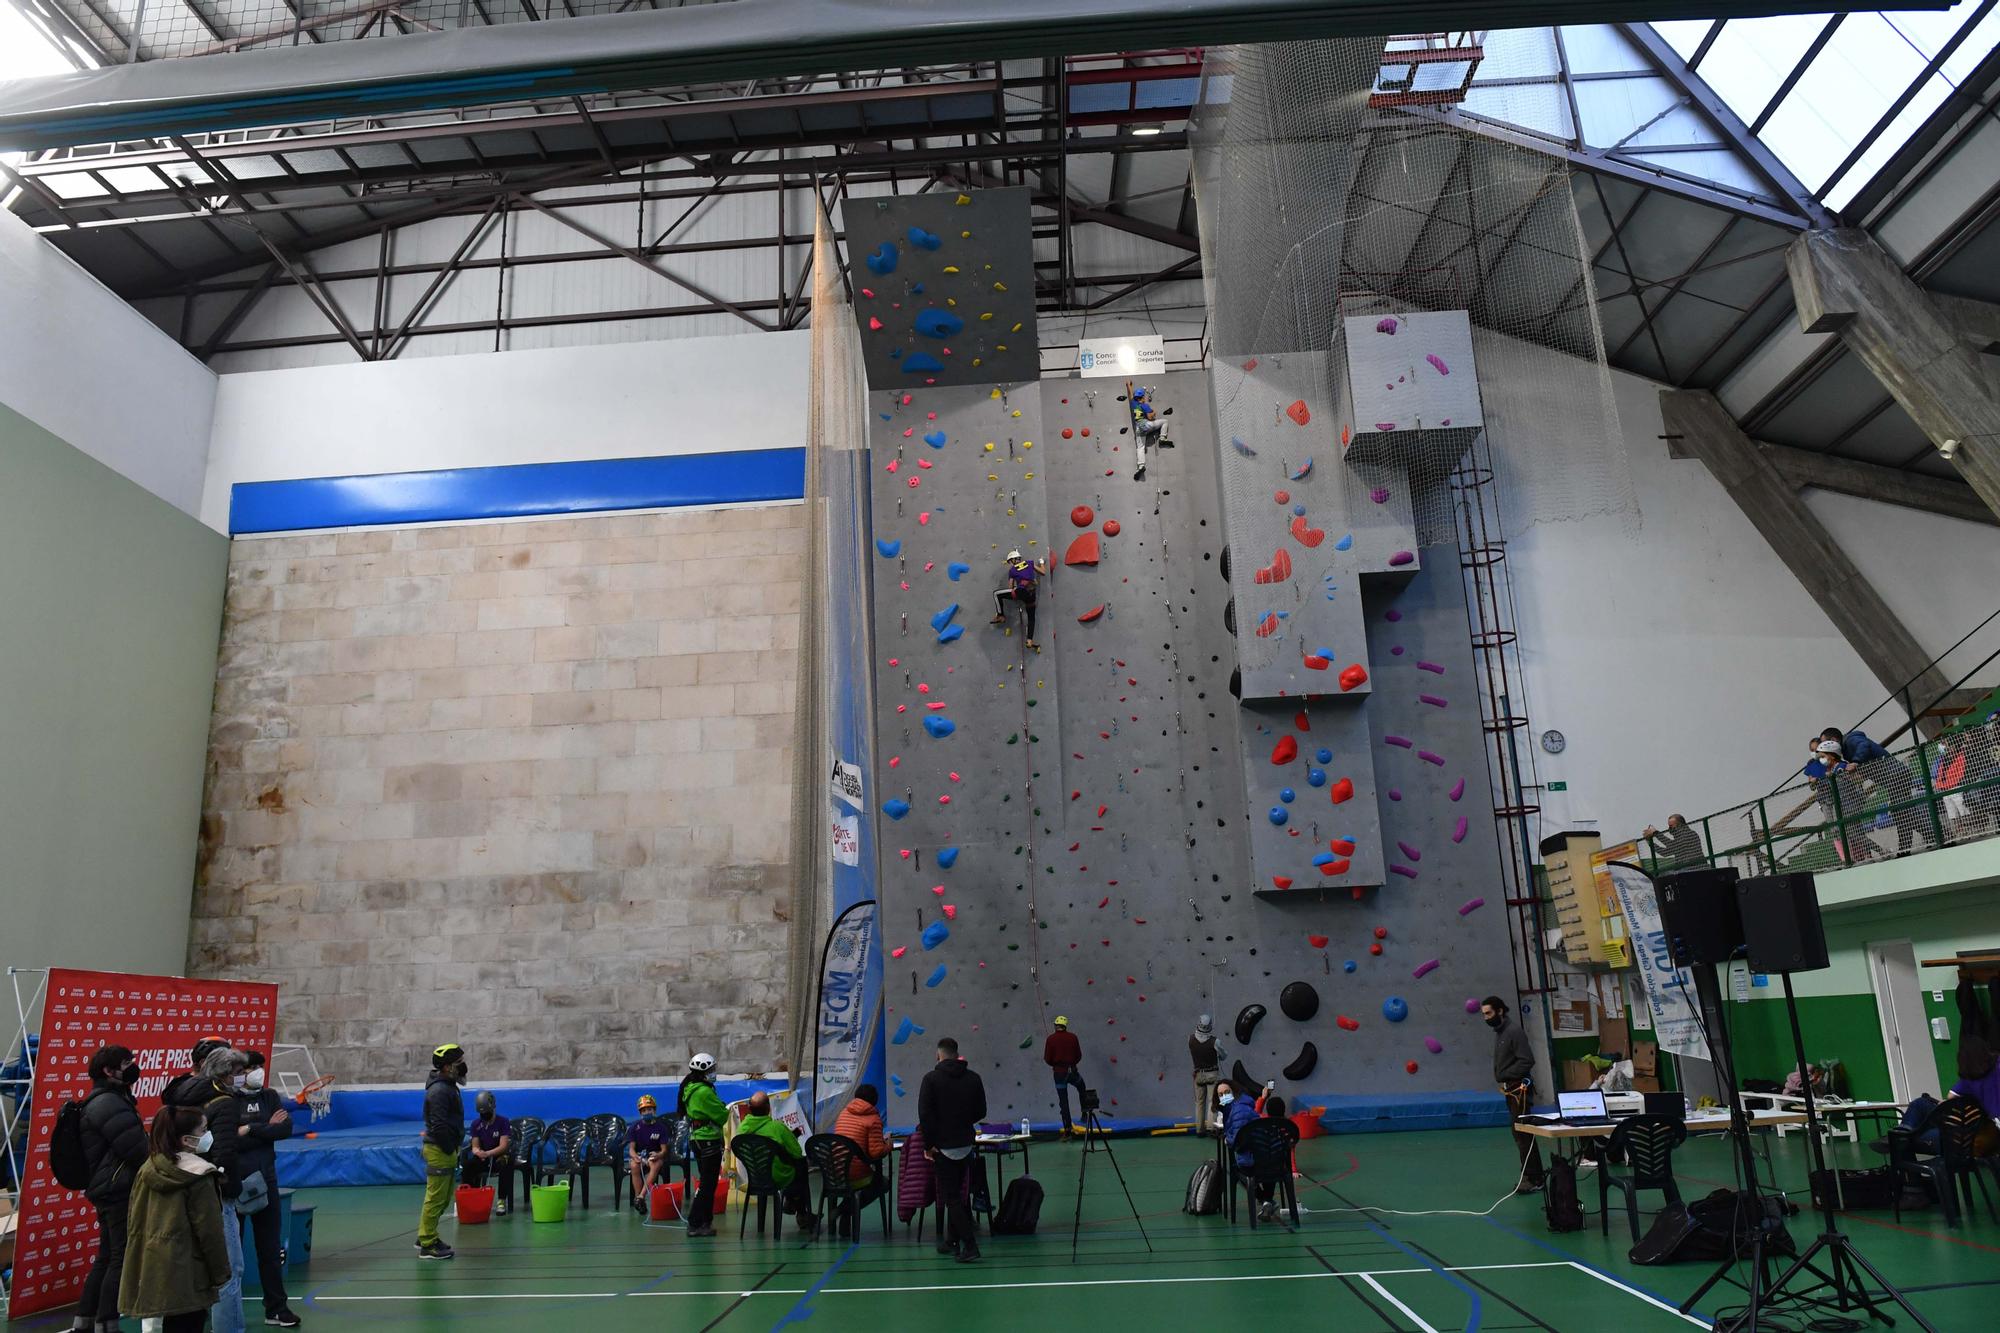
[934, 978]
[906, 1031]
[954, 571]
[947, 858]
[952, 635]
[1345, 543]
[1394, 1009]
[1323, 859]
[918, 289]
[882, 260]
[1288, 796]
[935, 439]
[889, 547]
[895, 807]
[1279, 815]
[1299, 510]
[1347, 966]
[1324, 755]
[1316, 777]
[924, 240]
[943, 618]
[935, 323]
[939, 727]
[895, 353]
[917, 363]
[936, 933]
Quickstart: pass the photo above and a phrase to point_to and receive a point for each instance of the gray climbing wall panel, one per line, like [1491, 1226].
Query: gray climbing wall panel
[944, 290]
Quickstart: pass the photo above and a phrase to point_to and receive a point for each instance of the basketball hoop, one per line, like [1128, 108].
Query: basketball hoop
[317, 1096]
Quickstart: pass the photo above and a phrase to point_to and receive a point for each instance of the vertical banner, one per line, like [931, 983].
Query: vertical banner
[850, 1005]
[159, 1018]
[1669, 989]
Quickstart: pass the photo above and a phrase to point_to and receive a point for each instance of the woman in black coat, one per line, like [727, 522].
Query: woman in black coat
[114, 1148]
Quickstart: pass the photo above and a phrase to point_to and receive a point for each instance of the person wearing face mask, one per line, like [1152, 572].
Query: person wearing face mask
[178, 1261]
[114, 1148]
[490, 1147]
[1514, 1071]
[1235, 1110]
[222, 1074]
[444, 1131]
[265, 1122]
[646, 1145]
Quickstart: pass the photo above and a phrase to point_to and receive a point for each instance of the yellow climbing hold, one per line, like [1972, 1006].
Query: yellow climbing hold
[976, 360]
[999, 286]
[965, 235]
[987, 315]
[1002, 347]
[963, 200]
[1017, 412]
[1015, 329]
[992, 476]
[994, 394]
[950, 300]
[989, 446]
[1010, 514]
[1027, 444]
[1031, 476]
[951, 268]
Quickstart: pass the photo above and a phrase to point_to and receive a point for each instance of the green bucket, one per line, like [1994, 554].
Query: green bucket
[549, 1203]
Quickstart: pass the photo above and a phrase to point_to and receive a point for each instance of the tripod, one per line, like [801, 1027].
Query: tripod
[1094, 1137]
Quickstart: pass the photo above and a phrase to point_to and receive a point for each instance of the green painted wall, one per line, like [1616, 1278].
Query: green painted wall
[110, 612]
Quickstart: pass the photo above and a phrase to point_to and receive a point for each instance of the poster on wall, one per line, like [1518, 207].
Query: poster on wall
[1669, 989]
[160, 1019]
[847, 839]
[1610, 994]
[846, 783]
[1573, 1005]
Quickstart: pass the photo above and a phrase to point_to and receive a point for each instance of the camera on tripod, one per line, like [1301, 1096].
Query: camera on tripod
[1090, 1102]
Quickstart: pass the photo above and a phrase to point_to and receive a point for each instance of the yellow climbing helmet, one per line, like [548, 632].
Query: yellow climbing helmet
[1061, 1022]
[646, 1103]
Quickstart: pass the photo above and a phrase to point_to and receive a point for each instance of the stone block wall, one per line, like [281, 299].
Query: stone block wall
[521, 785]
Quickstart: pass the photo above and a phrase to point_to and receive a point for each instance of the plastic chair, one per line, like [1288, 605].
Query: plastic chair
[606, 1133]
[1645, 1144]
[756, 1156]
[1960, 1121]
[1909, 1163]
[1269, 1142]
[834, 1156]
[569, 1155]
[529, 1134]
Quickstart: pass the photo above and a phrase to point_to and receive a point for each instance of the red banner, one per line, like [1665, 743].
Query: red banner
[159, 1018]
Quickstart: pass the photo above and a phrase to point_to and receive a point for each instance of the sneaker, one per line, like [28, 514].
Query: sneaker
[968, 1256]
[997, 620]
[1139, 474]
[1530, 1187]
[1267, 1212]
[282, 1319]
[437, 1249]
[700, 1233]
[500, 1209]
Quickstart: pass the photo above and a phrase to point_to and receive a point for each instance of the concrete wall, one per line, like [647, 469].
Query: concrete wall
[523, 785]
[112, 601]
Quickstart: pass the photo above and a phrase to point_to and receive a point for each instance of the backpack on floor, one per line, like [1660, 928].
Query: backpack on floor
[1204, 1191]
[1560, 1204]
[1020, 1208]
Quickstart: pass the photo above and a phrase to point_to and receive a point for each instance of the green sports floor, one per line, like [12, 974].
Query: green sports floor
[1347, 1270]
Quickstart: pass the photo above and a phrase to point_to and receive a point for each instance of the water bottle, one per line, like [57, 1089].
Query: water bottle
[1025, 1131]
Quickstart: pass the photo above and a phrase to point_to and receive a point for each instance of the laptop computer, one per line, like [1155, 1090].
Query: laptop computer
[1672, 1105]
[1582, 1108]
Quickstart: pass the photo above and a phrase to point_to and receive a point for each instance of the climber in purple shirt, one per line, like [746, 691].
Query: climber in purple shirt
[1023, 576]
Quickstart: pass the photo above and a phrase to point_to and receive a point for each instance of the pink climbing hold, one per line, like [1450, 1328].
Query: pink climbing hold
[950, 912]
[1401, 558]
[1353, 677]
[914, 482]
[1458, 830]
[1457, 789]
[1471, 905]
[874, 324]
[924, 519]
[1082, 516]
[1437, 363]
[938, 889]
[1421, 970]
[899, 951]
[1433, 1045]
[1386, 324]
[1409, 852]
[1380, 495]
[894, 465]
[1286, 750]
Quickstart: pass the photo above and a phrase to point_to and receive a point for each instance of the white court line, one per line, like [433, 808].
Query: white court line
[1653, 1301]
[1383, 1291]
[734, 1293]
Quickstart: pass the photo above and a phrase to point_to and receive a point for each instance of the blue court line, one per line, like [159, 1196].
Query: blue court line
[1472, 1293]
[802, 1309]
[1561, 1253]
[654, 1283]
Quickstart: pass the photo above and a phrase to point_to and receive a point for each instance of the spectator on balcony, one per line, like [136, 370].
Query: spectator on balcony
[1679, 846]
[1889, 776]
[1824, 769]
[1947, 777]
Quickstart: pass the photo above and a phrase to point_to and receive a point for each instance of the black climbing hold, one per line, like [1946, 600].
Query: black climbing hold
[1239, 1078]
[1247, 1020]
[1223, 564]
[1303, 1066]
[1299, 1001]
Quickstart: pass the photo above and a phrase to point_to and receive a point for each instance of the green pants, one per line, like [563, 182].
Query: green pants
[438, 1168]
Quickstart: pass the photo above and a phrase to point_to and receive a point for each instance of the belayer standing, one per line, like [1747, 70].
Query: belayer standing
[1023, 576]
[1062, 1053]
[705, 1116]
[444, 1131]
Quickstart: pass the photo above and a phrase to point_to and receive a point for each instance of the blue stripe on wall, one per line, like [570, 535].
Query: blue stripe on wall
[744, 477]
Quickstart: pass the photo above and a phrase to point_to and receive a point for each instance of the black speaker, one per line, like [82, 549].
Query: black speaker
[1698, 910]
[1781, 925]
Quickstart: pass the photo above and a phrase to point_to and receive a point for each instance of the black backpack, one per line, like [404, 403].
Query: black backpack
[1204, 1191]
[66, 1156]
[1020, 1208]
[1560, 1204]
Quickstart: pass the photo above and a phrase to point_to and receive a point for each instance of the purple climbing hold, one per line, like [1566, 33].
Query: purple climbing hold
[1392, 615]
[1471, 1005]
[1409, 851]
[1437, 363]
[1433, 1045]
[1400, 742]
[1405, 871]
[1457, 789]
[1380, 495]
[1471, 905]
[1433, 700]
[890, 548]
[1431, 758]
[1397, 651]
[1458, 830]
[1401, 558]
[1386, 324]
[1385, 425]
[1395, 793]
[934, 978]
[1422, 969]
[1431, 667]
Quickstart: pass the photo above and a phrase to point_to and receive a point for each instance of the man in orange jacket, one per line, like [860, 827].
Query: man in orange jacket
[1062, 1053]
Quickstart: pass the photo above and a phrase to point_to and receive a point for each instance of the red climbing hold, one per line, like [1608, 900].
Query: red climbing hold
[1082, 516]
[1090, 615]
[1375, 948]
[1314, 662]
[1307, 536]
[1353, 676]
[1076, 796]
[1332, 868]
[1409, 1066]
[1347, 1024]
[1277, 571]
[1299, 412]
[1082, 551]
[1381, 932]
[1343, 791]
[1318, 941]
[1067, 433]
[1111, 527]
[1302, 721]
[1251, 364]
[1341, 846]
[1268, 625]
[1282, 497]
[1101, 902]
[1286, 750]
[1086, 432]
[1282, 881]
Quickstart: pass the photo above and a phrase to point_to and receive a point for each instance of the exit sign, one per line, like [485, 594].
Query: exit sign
[1558, 786]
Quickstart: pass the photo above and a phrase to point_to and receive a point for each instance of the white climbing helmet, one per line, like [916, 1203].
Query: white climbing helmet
[1014, 554]
[702, 1064]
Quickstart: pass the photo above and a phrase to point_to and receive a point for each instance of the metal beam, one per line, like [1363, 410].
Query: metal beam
[1872, 481]
[1702, 427]
[645, 261]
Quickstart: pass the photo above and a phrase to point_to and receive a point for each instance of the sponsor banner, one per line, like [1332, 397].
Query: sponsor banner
[1669, 989]
[848, 1011]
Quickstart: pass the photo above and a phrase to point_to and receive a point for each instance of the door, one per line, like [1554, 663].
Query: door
[1906, 1037]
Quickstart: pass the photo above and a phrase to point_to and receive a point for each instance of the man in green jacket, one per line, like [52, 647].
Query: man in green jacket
[444, 1132]
[706, 1116]
[788, 1163]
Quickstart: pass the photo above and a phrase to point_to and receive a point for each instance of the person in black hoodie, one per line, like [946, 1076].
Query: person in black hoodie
[265, 1122]
[114, 1148]
[950, 1104]
[444, 1131]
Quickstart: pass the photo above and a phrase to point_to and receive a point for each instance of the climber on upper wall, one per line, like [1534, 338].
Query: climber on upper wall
[1023, 577]
[1149, 426]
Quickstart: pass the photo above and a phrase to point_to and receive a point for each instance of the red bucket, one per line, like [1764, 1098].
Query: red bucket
[670, 1201]
[475, 1205]
[1308, 1122]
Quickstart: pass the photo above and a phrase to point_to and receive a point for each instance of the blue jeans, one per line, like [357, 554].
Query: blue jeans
[1065, 1080]
[227, 1315]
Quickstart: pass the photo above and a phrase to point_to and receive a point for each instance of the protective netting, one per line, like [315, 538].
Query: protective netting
[1317, 209]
